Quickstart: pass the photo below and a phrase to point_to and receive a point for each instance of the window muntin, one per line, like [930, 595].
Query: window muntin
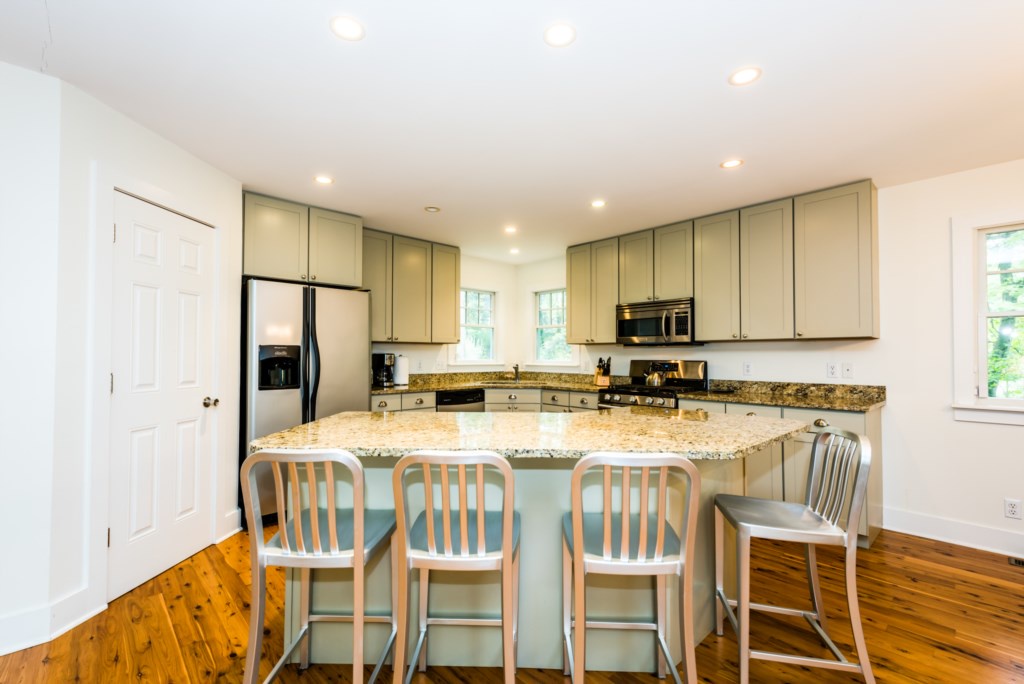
[549, 342]
[476, 317]
[1001, 307]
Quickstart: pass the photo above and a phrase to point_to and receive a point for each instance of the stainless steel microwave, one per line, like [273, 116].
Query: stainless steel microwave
[669, 321]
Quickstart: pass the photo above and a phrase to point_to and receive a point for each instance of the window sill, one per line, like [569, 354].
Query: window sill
[988, 413]
[476, 363]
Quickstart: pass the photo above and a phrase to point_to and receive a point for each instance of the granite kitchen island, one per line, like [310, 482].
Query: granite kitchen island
[542, 447]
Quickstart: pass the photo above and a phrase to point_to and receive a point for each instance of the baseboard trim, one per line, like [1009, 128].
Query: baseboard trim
[230, 534]
[954, 531]
[24, 629]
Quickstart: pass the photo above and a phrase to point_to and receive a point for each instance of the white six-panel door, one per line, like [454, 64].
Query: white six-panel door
[161, 356]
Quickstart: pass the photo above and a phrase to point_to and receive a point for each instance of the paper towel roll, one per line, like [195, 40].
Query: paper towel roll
[401, 370]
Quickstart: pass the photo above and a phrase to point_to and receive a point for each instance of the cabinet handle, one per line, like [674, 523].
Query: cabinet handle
[584, 402]
[419, 401]
[799, 334]
[821, 422]
[650, 298]
[512, 397]
[382, 404]
[745, 336]
[735, 335]
[312, 277]
[751, 413]
[554, 398]
[303, 277]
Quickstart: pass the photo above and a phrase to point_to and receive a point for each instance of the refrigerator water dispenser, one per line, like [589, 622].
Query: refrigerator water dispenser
[279, 366]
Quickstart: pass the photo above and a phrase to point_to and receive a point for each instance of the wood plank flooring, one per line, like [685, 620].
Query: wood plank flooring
[933, 612]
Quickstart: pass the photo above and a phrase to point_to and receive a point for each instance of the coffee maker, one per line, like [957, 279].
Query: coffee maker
[383, 366]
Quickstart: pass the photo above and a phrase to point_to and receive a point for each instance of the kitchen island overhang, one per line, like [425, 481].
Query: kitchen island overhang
[542, 448]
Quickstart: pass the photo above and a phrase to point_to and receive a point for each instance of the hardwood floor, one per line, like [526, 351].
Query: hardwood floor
[932, 612]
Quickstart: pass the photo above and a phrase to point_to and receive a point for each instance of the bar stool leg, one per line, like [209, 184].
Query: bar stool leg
[743, 601]
[424, 600]
[719, 570]
[508, 648]
[855, 623]
[687, 640]
[566, 605]
[305, 601]
[358, 620]
[400, 568]
[257, 609]
[814, 584]
[661, 598]
[579, 637]
[515, 610]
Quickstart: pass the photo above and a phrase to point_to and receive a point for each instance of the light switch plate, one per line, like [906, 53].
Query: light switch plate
[847, 369]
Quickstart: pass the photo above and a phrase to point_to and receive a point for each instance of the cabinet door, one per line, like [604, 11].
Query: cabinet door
[763, 469]
[604, 290]
[335, 248]
[389, 403]
[716, 277]
[766, 271]
[577, 280]
[276, 238]
[377, 279]
[673, 261]
[411, 290]
[835, 249]
[797, 452]
[444, 306]
[636, 266]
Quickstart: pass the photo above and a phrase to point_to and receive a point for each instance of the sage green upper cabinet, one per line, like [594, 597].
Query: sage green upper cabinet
[636, 267]
[835, 236]
[444, 305]
[276, 243]
[335, 248]
[294, 242]
[377, 262]
[716, 277]
[673, 261]
[593, 289]
[410, 290]
[766, 271]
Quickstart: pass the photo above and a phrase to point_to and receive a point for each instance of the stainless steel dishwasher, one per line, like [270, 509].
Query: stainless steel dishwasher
[460, 400]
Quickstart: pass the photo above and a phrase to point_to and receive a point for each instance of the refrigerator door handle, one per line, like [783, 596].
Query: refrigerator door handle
[304, 361]
[314, 348]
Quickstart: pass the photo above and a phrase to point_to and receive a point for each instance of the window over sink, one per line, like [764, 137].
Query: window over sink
[476, 318]
[550, 345]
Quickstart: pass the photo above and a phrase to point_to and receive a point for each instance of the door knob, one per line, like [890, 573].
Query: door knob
[208, 402]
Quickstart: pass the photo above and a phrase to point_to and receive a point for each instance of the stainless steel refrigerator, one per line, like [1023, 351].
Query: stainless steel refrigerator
[307, 357]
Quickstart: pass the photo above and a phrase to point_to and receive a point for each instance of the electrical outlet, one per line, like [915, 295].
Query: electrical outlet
[847, 369]
[832, 369]
[1011, 508]
[419, 366]
[748, 369]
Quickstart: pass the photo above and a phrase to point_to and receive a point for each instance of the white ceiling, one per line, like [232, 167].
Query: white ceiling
[461, 105]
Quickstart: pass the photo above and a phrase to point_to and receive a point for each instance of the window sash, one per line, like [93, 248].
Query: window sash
[1000, 355]
[553, 304]
[470, 315]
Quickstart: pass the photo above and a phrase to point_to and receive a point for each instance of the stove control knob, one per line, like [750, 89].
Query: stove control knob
[650, 400]
[607, 397]
[616, 398]
[661, 402]
[634, 400]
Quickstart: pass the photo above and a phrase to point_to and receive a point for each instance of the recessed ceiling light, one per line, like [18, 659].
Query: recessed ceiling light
[559, 35]
[598, 203]
[324, 180]
[432, 210]
[347, 28]
[510, 229]
[744, 76]
[731, 163]
[514, 250]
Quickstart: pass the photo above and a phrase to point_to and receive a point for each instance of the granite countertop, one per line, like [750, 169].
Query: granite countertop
[694, 434]
[860, 398]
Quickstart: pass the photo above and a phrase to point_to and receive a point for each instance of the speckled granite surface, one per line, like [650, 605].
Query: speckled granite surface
[790, 394]
[696, 435]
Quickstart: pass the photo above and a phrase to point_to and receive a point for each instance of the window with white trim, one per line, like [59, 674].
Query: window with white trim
[476, 317]
[549, 341]
[1001, 313]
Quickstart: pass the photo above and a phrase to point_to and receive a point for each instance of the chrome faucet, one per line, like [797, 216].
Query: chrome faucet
[516, 369]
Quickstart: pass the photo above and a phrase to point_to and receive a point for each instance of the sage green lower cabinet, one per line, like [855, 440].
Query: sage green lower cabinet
[560, 401]
[390, 402]
[504, 400]
[797, 459]
[419, 401]
[583, 401]
[762, 470]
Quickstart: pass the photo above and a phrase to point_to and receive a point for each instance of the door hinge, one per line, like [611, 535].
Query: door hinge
[111, 383]
[108, 537]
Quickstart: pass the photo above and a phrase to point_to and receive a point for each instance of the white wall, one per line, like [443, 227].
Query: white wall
[29, 138]
[68, 276]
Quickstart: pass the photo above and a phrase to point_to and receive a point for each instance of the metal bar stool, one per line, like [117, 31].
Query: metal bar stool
[642, 539]
[317, 530]
[837, 481]
[463, 535]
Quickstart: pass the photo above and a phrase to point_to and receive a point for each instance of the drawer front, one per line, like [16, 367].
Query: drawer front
[555, 398]
[756, 409]
[709, 406]
[392, 402]
[819, 418]
[515, 396]
[509, 408]
[418, 400]
[583, 401]
[553, 408]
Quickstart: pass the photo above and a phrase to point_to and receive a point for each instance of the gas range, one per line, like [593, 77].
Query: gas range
[656, 383]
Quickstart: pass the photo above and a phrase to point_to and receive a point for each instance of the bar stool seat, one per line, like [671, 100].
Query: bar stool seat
[593, 535]
[419, 536]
